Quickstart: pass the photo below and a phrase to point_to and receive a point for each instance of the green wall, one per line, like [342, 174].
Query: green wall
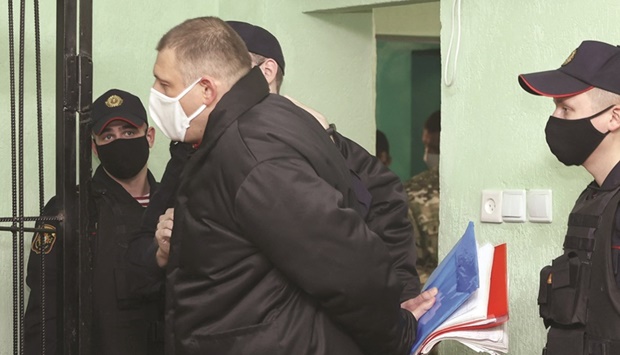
[418, 19]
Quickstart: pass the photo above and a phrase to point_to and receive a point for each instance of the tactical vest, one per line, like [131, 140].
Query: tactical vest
[578, 298]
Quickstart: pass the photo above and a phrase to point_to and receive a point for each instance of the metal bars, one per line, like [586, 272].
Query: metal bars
[73, 96]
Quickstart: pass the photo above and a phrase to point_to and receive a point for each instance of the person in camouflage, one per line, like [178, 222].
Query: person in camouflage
[423, 193]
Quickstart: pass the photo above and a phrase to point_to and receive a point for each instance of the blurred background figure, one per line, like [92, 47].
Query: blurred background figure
[382, 149]
[423, 192]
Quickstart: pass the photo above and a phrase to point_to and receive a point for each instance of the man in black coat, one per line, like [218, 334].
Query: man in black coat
[378, 190]
[121, 188]
[270, 253]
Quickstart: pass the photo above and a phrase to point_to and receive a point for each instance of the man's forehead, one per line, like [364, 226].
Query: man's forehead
[118, 123]
[166, 67]
[570, 99]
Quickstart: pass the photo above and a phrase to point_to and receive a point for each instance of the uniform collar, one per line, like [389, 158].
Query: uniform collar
[102, 183]
[613, 178]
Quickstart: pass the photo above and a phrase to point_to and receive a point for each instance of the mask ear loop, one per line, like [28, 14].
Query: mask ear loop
[598, 113]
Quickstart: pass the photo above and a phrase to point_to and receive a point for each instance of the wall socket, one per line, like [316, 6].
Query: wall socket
[491, 206]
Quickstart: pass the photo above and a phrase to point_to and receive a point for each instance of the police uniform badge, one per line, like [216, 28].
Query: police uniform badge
[114, 101]
[44, 241]
[570, 58]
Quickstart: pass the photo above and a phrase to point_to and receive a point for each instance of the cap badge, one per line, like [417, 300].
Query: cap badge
[114, 101]
[570, 58]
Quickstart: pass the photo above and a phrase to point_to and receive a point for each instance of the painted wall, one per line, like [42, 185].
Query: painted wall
[493, 135]
[408, 20]
[355, 5]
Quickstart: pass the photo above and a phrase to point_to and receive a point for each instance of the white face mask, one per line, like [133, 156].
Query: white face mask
[168, 113]
[431, 159]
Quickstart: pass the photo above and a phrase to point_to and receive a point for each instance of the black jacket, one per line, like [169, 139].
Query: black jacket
[269, 253]
[143, 246]
[387, 210]
[122, 323]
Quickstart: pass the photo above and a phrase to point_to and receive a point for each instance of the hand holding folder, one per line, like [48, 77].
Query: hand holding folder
[472, 303]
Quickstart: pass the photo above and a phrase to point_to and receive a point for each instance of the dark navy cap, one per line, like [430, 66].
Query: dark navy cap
[259, 41]
[592, 64]
[117, 105]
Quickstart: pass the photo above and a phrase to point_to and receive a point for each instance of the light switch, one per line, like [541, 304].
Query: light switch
[513, 206]
[539, 206]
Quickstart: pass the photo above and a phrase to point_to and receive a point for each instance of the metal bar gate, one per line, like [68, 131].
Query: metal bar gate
[73, 172]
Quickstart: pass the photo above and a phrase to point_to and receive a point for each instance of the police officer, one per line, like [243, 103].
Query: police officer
[579, 298]
[423, 193]
[121, 187]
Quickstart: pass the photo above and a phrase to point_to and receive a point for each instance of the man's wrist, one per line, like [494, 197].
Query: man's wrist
[161, 257]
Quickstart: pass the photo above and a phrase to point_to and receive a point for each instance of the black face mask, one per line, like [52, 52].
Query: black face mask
[124, 158]
[573, 141]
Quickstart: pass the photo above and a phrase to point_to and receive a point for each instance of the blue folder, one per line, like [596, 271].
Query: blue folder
[456, 278]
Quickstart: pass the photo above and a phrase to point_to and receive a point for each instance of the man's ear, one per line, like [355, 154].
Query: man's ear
[269, 68]
[150, 136]
[210, 89]
[614, 122]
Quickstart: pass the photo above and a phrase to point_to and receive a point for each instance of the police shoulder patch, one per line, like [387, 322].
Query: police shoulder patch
[43, 242]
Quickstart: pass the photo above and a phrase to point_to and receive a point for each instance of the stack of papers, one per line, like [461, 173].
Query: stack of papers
[471, 306]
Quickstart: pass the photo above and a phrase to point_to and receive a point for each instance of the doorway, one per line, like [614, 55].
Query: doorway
[408, 91]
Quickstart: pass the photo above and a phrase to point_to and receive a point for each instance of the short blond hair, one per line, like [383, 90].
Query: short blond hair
[207, 46]
[601, 98]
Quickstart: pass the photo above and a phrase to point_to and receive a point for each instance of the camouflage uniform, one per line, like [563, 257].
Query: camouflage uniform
[423, 193]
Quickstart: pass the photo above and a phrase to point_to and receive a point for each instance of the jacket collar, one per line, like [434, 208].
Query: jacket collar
[246, 93]
[103, 183]
[612, 180]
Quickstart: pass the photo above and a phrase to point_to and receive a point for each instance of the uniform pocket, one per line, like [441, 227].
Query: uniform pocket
[562, 296]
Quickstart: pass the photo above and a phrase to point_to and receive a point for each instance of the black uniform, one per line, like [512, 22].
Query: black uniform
[579, 297]
[122, 323]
